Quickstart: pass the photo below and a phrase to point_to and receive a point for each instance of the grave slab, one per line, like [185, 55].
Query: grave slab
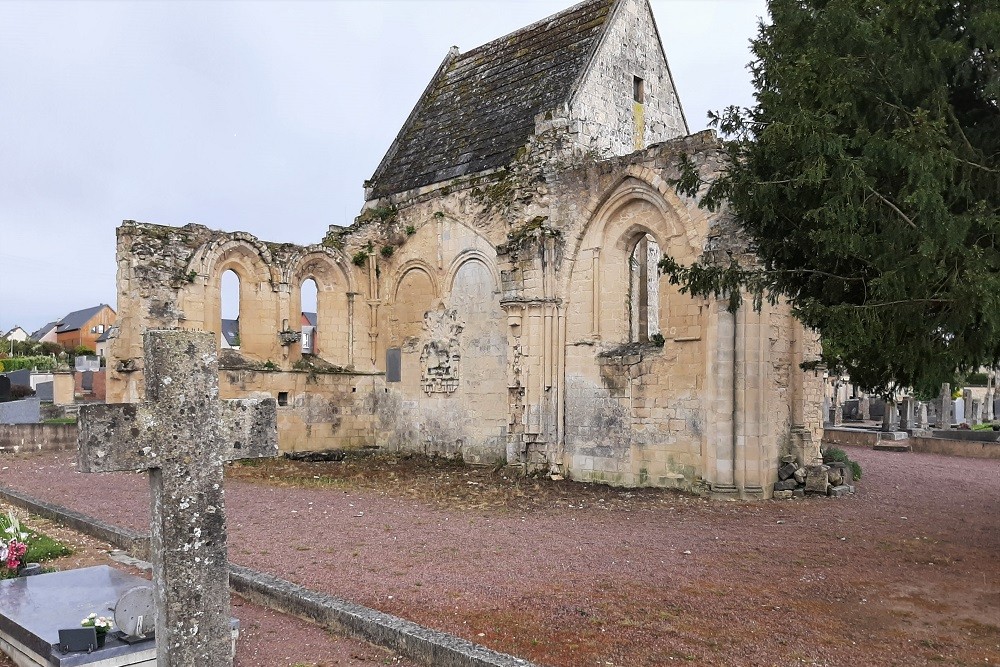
[34, 609]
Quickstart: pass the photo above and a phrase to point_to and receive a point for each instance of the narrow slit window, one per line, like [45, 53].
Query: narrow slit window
[638, 90]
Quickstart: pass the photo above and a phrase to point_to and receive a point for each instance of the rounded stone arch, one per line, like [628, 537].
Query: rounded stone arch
[206, 259]
[333, 336]
[404, 269]
[333, 260]
[472, 255]
[252, 263]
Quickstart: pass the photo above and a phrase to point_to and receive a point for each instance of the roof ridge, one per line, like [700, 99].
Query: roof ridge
[532, 26]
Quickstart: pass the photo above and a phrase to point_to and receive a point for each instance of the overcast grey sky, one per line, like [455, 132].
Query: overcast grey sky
[264, 117]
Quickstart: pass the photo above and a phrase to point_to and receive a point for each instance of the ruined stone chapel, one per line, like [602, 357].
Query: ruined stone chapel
[498, 297]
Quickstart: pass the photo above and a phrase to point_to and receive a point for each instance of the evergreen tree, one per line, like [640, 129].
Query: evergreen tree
[867, 180]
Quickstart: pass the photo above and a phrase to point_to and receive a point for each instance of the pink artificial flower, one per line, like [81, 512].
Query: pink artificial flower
[15, 552]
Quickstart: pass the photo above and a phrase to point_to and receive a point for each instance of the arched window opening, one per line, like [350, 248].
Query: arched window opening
[230, 310]
[644, 290]
[309, 315]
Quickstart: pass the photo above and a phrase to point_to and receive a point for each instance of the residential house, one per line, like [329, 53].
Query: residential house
[308, 332]
[17, 334]
[231, 334]
[84, 327]
[47, 334]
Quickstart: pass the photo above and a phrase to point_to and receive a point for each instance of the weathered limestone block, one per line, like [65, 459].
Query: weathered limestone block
[817, 479]
[785, 485]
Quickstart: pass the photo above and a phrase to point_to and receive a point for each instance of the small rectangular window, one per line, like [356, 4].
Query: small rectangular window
[282, 398]
[393, 364]
[638, 90]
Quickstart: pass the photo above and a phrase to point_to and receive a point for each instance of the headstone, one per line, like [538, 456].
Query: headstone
[906, 413]
[921, 418]
[182, 435]
[944, 411]
[976, 417]
[22, 376]
[43, 390]
[4, 388]
[87, 381]
[967, 406]
[890, 417]
[988, 405]
[864, 406]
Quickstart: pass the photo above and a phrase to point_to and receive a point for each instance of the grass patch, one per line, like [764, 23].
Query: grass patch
[41, 548]
[60, 420]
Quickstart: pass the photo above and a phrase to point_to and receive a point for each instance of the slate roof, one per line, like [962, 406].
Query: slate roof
[480, 107]
[78, 319]
[310, 318]
[231, 330]
[109, 333]
[38, 335]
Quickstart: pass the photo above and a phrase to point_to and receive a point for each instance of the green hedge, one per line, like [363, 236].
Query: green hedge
[17, 363]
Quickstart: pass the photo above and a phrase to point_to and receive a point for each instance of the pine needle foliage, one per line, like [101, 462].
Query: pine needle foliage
[867, 180]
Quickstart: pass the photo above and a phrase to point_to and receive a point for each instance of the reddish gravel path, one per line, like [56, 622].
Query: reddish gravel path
[906, 572]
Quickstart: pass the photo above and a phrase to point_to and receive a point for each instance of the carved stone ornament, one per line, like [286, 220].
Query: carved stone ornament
[439, 360]
[288, 337]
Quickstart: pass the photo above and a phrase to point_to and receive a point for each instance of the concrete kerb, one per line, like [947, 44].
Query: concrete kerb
[414, 641]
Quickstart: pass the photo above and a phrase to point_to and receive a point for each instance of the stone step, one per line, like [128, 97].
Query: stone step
[892, 446]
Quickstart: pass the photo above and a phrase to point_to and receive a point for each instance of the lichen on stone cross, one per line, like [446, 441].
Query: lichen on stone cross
[182, 434]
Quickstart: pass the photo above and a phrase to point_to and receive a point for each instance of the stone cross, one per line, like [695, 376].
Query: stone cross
[182, 435]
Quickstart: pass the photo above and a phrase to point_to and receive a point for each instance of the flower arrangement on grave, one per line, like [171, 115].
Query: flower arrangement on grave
[101, 624]
[13, 542]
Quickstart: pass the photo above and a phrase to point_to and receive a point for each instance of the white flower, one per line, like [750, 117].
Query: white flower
[3, 552]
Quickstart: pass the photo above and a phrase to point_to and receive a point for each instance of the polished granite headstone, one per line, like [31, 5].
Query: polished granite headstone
[34, 609]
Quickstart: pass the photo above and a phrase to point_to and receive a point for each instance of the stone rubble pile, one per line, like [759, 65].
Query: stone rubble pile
[825, 479]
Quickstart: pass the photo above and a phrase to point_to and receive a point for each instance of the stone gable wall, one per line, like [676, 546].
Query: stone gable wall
[603, 114]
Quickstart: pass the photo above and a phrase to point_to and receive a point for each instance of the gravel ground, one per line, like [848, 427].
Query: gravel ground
[903, 573]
